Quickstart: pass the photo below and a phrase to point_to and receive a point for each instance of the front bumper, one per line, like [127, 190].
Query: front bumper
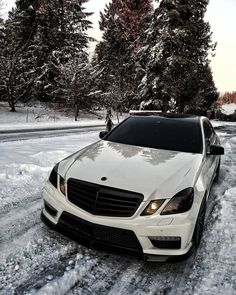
[129, 235]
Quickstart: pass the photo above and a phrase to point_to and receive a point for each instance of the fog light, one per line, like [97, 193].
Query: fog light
[166, 242]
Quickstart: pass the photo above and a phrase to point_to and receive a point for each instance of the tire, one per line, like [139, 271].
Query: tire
[199, 227]
[217, 172]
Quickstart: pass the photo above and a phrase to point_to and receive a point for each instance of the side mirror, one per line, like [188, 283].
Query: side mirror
[216, 150]
[102, 134]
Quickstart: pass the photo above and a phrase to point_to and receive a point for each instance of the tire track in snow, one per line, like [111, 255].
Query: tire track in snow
[16, 244]
[19, 220]
[152, 278]
[108, 272]
[11, 209]
[62, 285]
[131, 276]
[39, 250]
[18, 212]
[125, 277]
[41, 278]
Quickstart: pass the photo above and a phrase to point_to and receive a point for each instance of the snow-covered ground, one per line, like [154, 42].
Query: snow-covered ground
[36, 260]
[38, 117]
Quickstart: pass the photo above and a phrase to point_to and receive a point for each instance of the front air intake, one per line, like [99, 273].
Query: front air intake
[166, 242]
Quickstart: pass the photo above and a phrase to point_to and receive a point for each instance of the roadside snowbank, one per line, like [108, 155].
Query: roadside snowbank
[228, 109]
[216, 123]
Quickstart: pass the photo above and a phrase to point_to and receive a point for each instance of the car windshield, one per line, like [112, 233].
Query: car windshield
[174, 134]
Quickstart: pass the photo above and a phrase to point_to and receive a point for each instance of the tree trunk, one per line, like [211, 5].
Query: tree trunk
[181, 106]
[117, 116]
[13, 109]
[165, 105]
[76, 112]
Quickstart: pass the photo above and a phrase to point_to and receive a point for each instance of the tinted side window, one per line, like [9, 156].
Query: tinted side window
[213, 134]
[209, 133]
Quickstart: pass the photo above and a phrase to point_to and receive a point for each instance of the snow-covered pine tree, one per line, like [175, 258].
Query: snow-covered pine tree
[1, 10]
[17, 59]
[75, 83]
[61, 39]
[1, 24]
[176, 58]
[123, 22]
[1, 49]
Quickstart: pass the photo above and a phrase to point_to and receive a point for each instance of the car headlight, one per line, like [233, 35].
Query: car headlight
[152, 207]
[53, 176]
[62, 185]
[180, 203]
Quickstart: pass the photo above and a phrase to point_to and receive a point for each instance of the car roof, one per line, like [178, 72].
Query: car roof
[182, 117]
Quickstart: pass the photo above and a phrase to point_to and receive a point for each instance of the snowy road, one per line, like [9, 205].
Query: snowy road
[15, 135]
[36, 260]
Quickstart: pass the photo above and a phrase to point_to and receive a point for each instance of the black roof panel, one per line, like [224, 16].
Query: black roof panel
[189, 118]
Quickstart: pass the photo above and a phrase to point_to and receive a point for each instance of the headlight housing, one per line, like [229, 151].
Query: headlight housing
[62, 185]
[53, 176]
[152, 207]
[180, 203]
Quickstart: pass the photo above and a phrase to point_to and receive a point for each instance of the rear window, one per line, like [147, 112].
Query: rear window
[173, 134]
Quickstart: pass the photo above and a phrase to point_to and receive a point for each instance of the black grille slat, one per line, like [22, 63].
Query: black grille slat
[84, 195]
[122, 195]
[84, 188]
[82, 204]
[75, 196]
[112, 213]
[112, 205]
[101, 200]
[83, 192]
[112, 200]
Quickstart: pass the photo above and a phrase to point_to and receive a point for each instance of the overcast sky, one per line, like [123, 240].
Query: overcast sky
[221, 15]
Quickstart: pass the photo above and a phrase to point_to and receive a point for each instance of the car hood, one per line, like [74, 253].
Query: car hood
[155, 173]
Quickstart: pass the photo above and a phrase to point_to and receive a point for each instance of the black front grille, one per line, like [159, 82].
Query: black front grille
[96, 234]
[101, 200]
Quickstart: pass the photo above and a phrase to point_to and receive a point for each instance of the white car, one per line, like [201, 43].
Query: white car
[142, 189]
